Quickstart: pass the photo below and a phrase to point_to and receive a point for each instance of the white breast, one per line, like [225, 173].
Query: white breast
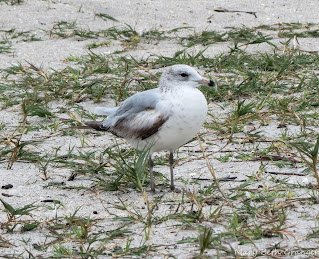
[188, 109]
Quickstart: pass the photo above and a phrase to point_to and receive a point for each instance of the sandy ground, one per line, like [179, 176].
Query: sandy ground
[39, 17]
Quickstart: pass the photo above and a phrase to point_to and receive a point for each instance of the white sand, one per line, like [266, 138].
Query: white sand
[39, 17]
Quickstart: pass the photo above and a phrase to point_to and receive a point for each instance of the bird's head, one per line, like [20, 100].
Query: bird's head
[182, 75]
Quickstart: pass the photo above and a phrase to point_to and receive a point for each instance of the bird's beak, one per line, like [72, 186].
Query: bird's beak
[207, 82]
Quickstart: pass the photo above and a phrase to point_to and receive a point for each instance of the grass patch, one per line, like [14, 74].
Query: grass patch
[12, 2]
[5, 46]
[263, 115]
[238, 35]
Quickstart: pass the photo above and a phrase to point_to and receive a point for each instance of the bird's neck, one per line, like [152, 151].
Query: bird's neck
[167, 86]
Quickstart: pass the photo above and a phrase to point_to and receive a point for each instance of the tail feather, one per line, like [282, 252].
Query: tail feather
[97, 125]
[104, 111]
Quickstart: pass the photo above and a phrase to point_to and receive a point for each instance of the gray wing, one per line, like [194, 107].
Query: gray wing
[105, 111]
[137, 117]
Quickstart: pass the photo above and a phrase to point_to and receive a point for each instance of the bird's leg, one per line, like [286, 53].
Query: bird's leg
[151, 165]
[171, 165]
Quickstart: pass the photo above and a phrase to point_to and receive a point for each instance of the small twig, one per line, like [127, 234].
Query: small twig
[224, 179]
[285, 173]
[224, 10]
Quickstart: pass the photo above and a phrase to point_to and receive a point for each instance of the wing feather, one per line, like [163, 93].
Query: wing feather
[140, 125]
[135, 118]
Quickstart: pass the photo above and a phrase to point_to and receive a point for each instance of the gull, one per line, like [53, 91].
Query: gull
[163, 118]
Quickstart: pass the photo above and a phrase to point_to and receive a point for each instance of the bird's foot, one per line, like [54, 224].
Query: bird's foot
[176, 190]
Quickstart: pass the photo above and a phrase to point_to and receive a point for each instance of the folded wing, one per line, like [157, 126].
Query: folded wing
[136, 118]
[139, 125]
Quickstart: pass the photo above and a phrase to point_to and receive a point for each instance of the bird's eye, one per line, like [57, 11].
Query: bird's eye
[184, 74]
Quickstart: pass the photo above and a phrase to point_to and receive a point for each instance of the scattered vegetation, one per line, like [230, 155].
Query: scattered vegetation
[268, 110]
[12, 2]
[5, 46]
